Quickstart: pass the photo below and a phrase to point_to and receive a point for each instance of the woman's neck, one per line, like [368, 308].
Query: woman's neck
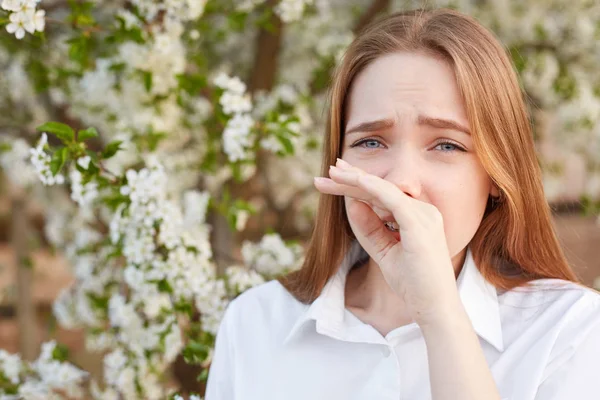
[366, 289]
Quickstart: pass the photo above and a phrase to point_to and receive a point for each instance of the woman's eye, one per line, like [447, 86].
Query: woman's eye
[444, 147]
[370, 143]
[447, 147]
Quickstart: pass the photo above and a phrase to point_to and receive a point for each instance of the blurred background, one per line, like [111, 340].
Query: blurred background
[224, 102]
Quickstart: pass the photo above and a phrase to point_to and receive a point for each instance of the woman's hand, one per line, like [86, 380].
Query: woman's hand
[419, 266]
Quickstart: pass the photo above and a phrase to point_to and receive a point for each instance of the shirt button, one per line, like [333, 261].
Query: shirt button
[386, 351]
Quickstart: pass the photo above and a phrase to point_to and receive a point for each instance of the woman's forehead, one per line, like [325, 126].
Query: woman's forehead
[405, 85]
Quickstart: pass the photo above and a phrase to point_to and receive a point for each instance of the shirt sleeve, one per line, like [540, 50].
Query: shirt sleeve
[575, 372]
[220, 383]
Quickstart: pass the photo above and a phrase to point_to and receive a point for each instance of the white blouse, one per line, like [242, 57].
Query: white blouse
[540, 344]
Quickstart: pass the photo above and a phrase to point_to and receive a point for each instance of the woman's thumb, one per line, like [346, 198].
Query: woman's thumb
[369, 229]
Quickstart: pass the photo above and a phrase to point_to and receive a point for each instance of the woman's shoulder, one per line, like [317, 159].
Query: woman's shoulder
[553, 293]
[566, 310]
[268, 304]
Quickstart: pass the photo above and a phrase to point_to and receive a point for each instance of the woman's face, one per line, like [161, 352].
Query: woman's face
[406, 123]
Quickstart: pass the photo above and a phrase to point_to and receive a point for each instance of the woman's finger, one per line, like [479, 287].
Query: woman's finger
[391, 197]
[338, 187]
[329, 186]
[378, 192]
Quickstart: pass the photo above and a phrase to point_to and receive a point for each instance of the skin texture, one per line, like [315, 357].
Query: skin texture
[435, 192]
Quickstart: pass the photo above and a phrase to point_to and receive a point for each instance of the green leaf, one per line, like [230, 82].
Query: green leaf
[192, 83]
[287, 144]
[154, 138]
[203, 375]
[237, 21]
[265, 21]
[98, 302]
[147, 80]
[38, 72]
[111, 149]
[236, 170]
[60, 352]
[163, 286]
[86, 134]
[195, 352]
[5, 147]
[58, 160]
[79, 49]
[113, 201]
[184, 307]
[62, 131]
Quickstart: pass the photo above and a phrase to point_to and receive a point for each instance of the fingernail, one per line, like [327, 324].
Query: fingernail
[320, 179]
[343, 164]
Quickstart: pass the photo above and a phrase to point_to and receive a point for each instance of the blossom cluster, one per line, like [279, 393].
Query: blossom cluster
[185, 10]
[288, 10]
[272, 256]
[41, 162]
[237, 136]
[292, 10]
[24, 17]
[46, 378]
[15, 161]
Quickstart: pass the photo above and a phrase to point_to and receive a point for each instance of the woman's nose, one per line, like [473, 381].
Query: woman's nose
[405, 175]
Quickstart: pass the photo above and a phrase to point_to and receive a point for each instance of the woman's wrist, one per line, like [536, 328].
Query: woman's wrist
[449, 314]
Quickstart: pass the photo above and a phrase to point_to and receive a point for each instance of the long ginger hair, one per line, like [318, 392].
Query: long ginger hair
[515, 242]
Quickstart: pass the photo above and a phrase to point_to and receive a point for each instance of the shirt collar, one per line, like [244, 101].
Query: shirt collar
[479, 298]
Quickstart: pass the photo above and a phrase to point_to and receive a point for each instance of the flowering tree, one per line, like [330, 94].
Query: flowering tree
[164, 133]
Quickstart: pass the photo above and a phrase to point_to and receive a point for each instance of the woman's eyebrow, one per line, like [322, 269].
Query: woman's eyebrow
[443, 124]
[381, 124]
[372, 126]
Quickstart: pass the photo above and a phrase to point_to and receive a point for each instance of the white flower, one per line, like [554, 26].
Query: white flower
[248, 5]
[195, 204]
[33, 390]
[41, 162]
[16, 165]
[271, 143]
[291, 10]
[39, 20]
[173, 343]
[241, 279]
[84, 162]
[12, 5]
[62, 309]
[63, 376]
[10, 366]
[230, 84]
[80, 193]
[154, 303]
[234, 103]
[241, 219]
[100, 342]
[271, 256]
[125, 382]
[19, 23]
[114, 362]
[237, 138]
[47, 351]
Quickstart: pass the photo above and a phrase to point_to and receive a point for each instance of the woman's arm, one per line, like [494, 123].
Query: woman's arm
[418, 267]
[457, 367]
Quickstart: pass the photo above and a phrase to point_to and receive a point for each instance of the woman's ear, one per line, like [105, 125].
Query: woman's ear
[494, 190]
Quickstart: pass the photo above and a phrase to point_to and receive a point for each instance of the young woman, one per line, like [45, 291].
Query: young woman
[433, 271]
